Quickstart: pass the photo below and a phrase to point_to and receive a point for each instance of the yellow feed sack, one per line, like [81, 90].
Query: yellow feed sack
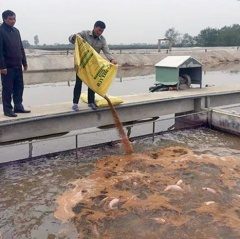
[95, 71]
[100, 101]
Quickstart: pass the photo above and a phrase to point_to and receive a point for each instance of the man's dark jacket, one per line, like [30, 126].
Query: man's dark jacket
[11, 49]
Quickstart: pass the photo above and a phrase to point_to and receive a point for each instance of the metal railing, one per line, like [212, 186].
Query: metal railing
[153, 121]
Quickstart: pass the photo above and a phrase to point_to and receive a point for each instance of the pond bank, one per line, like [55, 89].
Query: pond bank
[49, 61]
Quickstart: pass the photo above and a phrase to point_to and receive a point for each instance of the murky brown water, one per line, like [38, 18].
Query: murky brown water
[169, 193]
[28, 191]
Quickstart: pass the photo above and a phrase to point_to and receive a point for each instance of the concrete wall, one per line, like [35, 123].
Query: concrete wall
[59, 118]
[43, 60]
[225, 121]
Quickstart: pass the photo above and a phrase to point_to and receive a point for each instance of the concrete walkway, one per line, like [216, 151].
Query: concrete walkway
[52, 119]
[138, 99]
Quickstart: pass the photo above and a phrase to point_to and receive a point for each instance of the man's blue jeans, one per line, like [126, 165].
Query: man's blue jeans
[77, 92]
[12, 88]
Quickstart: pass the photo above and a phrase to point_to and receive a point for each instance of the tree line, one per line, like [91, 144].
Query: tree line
[208, 37]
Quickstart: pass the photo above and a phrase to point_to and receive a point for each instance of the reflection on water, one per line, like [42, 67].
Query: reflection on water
[232, 67]
[64, 76]
[129, 81]
[58, 86]
[29, 190]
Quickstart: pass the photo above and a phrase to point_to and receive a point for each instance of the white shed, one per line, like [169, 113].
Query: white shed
[171, 68]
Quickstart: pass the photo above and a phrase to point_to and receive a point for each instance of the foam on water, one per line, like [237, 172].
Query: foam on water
[170, 193]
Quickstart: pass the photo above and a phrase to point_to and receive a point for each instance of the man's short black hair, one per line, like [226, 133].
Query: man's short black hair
[7, 13]
[100, 24]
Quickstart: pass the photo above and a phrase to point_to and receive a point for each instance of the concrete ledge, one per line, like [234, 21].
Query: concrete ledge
[59, 118]
[226, 121]
[40, 60]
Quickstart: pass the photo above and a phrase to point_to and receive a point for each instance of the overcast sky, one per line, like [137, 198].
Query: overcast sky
[127, 21]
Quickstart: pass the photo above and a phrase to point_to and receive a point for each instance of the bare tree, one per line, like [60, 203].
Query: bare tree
[25, 43]
[172, 35]
[36, 40]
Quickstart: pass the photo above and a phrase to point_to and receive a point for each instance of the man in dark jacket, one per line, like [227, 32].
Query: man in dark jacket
[12, 58]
